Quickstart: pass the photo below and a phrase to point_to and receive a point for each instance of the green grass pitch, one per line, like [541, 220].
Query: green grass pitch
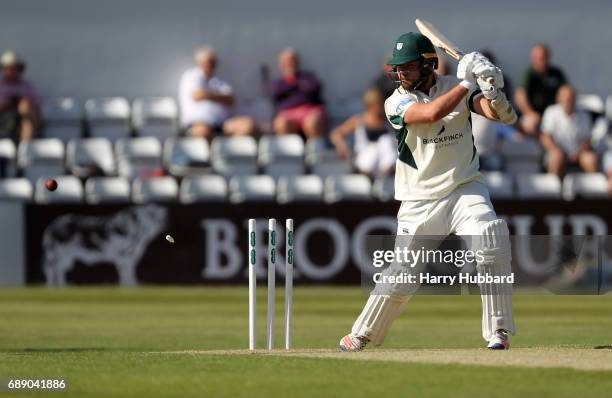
[145, 342]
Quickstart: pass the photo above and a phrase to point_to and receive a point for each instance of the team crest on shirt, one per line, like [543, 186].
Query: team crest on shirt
[399, 46]
[402, 105]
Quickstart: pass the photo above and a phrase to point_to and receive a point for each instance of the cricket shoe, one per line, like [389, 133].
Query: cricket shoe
[499, 341]
[353, 343]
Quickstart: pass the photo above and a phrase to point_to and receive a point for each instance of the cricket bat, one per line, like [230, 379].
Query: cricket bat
[442, 42]
[438, 39]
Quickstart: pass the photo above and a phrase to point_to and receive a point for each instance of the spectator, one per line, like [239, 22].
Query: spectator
[538, 88]
[375, 146]
[566, 135]
[19, 101]
[382, 82]
[206, 101]
[297, 96]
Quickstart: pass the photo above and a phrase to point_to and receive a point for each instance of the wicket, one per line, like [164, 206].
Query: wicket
[272, 256]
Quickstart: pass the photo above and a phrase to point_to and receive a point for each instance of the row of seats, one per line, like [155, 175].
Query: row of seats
[181, 156]
[143, 156]
[303, 188]
[110, 117]
[546, 186]
[206, 188]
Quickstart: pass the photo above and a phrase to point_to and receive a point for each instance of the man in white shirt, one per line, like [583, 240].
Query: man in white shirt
[566, 134]
[206, 101]
[438, 182]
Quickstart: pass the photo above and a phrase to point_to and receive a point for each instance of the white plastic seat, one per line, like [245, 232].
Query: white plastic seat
[138, 157]
[257, 188]
[500, 184]
[157, 189]
[234, 156]
[281, 155]
[538, 186]
[19, 189]
[42, 157]
[69, 190]
[304, 188]
[186, 156]
[7, 158]
[155, 117]
[323, 160]
[206, 188]
[522, 156]
[591, 103]
[585, 185]
[90, 156]
[63, 117]
[383, 188]
[107, 190]
[108, 117]
[351, 187]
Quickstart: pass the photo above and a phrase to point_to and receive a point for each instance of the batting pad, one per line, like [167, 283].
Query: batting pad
[497, 310]
[377, 316]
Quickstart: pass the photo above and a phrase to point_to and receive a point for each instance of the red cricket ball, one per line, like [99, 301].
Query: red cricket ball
[51, 184]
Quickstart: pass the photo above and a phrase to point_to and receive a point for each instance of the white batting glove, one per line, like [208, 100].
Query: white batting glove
[488, 72]
[464, 69]
[489, 90]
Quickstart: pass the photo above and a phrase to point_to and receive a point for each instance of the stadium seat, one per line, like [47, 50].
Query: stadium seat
[186, 156]
[522, 156]
[138, 157]
[323, 160]
[341, 109]
[7, 158]
[156, 189]
[234, 156]
[304, 188]
[63, 118]
[206, 188]
[590, 102]
[351, 187]
[107, 190]
[585, 185]
[108, 117]
[281, 155]
[256, 188]
[69, 190]
[155, 117]
[500, 184]
[383, 188]
[609, 107]
[90, 156]
[41, 157]
[19, 189]
[538, 186]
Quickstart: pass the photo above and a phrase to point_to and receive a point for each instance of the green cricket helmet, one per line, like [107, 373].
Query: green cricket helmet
[412, 46]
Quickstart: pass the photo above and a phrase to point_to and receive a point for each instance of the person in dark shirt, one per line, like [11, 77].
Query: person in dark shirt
[538, 88]
[297, 97]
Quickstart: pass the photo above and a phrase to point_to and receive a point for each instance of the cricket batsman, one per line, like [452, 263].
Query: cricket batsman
[438, 182]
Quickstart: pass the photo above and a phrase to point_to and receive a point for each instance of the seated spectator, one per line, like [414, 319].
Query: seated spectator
[206, 101]
[375, 145]
[566, 135]
[297, 97]
[382, 82]
[19, 102]
[607, 168]
[537, 89]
